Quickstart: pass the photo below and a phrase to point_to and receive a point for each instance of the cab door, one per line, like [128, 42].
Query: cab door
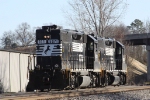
[118, 56]
[90, 53]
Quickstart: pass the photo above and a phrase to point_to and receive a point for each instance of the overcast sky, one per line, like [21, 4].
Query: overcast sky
[41, 12]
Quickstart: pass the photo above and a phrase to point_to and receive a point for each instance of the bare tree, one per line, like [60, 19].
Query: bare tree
[147, 26]
[117, 32]
[95, 16]
[25, 35]
[9, 40]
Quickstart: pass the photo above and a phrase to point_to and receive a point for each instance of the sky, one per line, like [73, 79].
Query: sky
[43, 12]
[136, 9]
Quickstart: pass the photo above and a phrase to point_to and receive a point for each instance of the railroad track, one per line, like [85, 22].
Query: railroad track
[68, 93]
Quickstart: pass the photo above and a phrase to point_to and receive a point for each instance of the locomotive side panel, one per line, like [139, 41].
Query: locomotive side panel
[66, 50]
[73, 52]
[77, 57]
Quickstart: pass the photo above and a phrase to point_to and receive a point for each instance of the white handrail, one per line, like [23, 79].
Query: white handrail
[68, 31]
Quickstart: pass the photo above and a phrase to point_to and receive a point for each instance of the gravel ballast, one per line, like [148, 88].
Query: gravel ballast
[131, 95]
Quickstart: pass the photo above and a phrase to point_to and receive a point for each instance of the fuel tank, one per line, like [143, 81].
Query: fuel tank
[116, 80]
[84, 81]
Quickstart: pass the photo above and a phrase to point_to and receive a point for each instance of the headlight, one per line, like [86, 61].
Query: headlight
[37, 66]
[56, 65]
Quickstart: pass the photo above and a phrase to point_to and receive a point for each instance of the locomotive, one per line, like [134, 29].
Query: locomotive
[69, 59]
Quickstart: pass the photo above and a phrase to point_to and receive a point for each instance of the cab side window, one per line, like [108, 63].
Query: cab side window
[91, 46]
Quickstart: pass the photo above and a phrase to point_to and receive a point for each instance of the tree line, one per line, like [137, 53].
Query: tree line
[23, 36]
[91, 16]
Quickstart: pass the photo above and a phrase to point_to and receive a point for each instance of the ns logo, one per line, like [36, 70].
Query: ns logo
[47, 49]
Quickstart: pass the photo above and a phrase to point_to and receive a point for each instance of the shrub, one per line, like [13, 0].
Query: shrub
[1, 87]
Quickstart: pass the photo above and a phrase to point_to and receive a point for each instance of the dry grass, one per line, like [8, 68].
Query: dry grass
[137, 72]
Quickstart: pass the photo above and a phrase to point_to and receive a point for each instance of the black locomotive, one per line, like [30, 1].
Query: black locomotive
[68, 59]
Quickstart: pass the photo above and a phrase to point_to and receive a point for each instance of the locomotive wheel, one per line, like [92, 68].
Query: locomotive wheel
[124, 79]
[72, 83]
[42, 90]
[121, 79]
[93, 81]
[106, 80]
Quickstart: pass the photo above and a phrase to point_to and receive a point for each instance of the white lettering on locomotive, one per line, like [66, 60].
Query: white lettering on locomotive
[41, 41]
[77, 47]
[49, 50]
[53, 41]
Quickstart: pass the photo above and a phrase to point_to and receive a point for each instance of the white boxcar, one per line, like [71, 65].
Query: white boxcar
[14, 70]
